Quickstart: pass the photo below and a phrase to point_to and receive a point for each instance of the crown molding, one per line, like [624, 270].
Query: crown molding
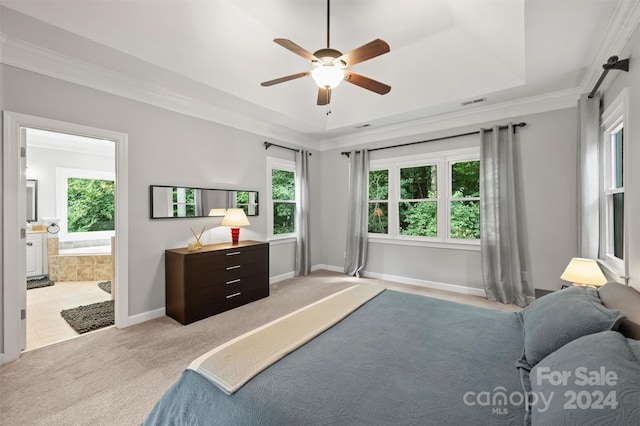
[623, 23]
[37, 59]
[479, 115]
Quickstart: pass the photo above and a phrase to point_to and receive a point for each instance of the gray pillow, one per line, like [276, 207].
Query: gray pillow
[556, 319]
[593, 380]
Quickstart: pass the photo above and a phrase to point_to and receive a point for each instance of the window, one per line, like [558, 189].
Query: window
[379, 201]
[464, 205]
[85, 204]
[432, 198]
[612, 235]
[282, 198]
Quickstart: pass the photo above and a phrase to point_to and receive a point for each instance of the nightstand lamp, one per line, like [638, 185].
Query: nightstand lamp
[217, 212]
[584, 272]
[235, 218]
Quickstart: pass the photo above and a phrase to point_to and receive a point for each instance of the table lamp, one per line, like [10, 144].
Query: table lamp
[584, 272]
[217, 212]
[235, 218]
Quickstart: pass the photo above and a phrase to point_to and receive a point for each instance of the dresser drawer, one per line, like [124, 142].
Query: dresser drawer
[207, 307]
[211, 261]
[220, 277]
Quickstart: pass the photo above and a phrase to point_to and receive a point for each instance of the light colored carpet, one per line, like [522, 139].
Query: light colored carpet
[114, 377]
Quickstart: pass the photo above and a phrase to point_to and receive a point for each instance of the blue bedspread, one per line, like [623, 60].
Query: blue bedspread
[400, 359]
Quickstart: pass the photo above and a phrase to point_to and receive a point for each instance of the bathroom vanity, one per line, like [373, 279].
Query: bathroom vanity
[36, 253]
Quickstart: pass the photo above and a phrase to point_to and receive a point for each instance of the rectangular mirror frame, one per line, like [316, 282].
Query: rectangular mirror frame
[196, 202]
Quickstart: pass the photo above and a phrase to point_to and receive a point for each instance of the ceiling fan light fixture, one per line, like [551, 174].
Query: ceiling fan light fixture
[327, 76]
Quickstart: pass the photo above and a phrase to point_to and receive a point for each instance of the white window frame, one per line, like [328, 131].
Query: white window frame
[62, 176]
[443, 161]
[613, 120]
[289, 166]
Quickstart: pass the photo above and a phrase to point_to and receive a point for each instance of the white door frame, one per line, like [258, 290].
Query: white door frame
[13, 222]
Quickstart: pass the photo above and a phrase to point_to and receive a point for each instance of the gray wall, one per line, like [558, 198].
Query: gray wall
[546, 160]
[164, 148]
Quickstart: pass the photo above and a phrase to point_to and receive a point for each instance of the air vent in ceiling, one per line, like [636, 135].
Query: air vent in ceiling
[474, 101]
[362, 126]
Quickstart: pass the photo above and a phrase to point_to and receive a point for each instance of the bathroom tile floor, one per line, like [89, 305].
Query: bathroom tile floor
[45, 325]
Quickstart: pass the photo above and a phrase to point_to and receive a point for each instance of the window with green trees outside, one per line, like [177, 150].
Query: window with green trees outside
[465, 200]
[90, 205]
[283, 194]
[436, 198]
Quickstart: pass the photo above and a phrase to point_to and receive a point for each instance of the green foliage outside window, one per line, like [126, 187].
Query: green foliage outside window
[283, 189]
[90, 205]
[418, 183]
[378, 209]
[418, 218]
[465, 215]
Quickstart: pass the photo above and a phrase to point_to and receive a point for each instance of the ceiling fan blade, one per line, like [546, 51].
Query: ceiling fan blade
[324, 96]
[366, 83]
[283, 79]
[370, 50]
[288, 44]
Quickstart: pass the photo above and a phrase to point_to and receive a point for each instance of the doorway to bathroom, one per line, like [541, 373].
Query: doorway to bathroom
[70, 235]
[14, 195]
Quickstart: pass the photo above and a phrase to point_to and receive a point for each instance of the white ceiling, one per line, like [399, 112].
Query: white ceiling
[443, 52]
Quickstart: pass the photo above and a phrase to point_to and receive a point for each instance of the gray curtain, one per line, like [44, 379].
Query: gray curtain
[303, 260]
[500, 251]
[357, 212]
[588, 176]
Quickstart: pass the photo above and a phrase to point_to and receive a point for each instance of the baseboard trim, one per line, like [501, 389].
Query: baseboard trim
[327, 268]
[145, 316]
[281, 277]
[424, 283]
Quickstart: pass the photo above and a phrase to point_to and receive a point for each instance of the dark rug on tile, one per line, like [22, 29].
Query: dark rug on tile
[39, 282]
[105, 285]
[90, 317]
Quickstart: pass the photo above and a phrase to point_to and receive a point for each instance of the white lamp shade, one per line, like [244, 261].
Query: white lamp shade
[584, 271]
[234, 218]
[217, 212]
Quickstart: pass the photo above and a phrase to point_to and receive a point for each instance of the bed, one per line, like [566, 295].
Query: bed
[404, 359]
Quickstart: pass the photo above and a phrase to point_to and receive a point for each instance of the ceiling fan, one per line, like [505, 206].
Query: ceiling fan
[329, 66]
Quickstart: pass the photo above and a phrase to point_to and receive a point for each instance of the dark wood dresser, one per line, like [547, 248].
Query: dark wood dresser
[215, 278]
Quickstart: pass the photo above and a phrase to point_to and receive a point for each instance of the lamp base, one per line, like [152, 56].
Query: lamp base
[235, 235]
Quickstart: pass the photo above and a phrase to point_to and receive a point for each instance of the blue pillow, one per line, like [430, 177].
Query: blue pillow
[556, 319]
[593, 380]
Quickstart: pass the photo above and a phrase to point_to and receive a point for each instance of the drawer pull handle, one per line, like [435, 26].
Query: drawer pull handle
[234, 253]
[233, 267]
[29, 243]
[233, 295]
[233, 281]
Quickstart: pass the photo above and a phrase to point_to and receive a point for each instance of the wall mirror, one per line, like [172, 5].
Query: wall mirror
[32, 200]
[182, 202]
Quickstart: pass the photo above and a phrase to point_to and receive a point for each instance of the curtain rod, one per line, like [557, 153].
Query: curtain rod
[612, 64]
[270, 144]
[522, 124]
